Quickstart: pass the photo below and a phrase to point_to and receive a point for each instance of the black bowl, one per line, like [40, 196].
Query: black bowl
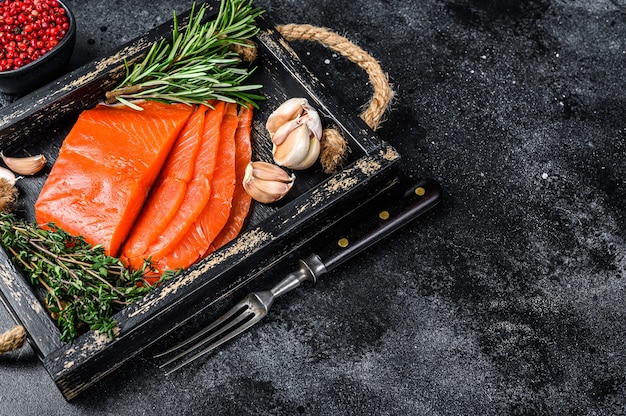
[45, 68]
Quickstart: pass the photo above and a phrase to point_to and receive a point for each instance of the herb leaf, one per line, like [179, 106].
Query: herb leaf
[199, 64]
[84, 286]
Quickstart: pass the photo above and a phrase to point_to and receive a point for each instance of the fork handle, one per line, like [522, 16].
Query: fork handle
[373, 222]
[385, 215]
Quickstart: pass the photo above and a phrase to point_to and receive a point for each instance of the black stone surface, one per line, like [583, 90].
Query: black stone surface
[508, 299]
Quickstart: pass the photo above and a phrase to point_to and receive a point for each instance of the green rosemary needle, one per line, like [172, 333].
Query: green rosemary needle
[198, 64]
[84, 287]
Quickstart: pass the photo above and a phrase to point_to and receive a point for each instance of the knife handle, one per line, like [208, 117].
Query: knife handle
[391, 211]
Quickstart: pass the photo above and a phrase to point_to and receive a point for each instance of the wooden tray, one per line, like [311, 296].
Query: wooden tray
[38, 123]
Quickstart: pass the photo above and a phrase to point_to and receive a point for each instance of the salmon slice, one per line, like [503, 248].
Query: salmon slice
[185, 150]
[241, 199]
[169, 189]
[216, 213]
[213, 217]
[105, 168]
[183, 255]
[196, 196]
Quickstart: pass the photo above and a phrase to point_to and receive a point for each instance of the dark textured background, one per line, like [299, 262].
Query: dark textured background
[508, 299]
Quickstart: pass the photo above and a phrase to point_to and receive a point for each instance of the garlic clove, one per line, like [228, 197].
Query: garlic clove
[314, 123]
[266, 183]
[311, 156]
[294, 149]
[268, 172]
[285, 130]
[288, 110]
[267, 192]
[24, 165]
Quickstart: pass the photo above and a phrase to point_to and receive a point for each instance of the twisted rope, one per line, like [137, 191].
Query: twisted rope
[333, 145]
[13, 339]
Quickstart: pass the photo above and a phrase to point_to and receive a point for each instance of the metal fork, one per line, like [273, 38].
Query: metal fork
[415, 201]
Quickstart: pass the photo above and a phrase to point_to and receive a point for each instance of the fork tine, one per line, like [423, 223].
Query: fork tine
[218, 339]
[223, 320]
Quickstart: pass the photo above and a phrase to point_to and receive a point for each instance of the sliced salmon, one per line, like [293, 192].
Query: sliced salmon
[169, 189]
[105, 168]
[215, 214]
[196, 195]
[241, 199]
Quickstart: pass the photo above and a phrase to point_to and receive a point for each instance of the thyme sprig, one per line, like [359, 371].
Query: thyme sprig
[198, 64]
[84, 286]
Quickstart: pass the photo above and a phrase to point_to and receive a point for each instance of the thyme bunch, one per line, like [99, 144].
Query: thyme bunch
[84, 287]
[199, 64]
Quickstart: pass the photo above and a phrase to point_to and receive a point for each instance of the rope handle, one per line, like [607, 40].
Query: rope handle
[12, 339]
[333, 145]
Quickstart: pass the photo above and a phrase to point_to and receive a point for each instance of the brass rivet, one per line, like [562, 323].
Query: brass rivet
[384, 215]
[343, 242]
[420, 191]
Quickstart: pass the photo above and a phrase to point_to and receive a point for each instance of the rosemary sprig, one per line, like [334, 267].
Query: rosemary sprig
[84, 287]
[199, 64]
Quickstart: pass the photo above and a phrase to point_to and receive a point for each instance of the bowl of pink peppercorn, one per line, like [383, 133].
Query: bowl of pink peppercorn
[37, 39]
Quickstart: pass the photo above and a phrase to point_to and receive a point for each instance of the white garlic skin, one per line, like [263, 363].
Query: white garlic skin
[267, 183]
[295, 129]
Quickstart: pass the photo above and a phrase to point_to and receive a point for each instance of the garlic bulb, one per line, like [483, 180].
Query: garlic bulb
[8, 191]
[24, 165]
[296, 129]
[266, 183]
[8, 176]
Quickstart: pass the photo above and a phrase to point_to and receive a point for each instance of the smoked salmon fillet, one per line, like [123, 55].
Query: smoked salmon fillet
[169, 189]
[213, 217]
[105, 168]
[241, 199]
[196, 195]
